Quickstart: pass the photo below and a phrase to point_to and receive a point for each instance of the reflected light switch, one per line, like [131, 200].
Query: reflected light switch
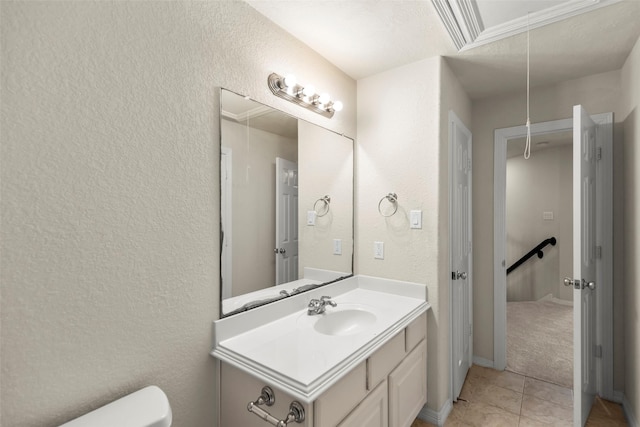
[415, 219]
[311, 217]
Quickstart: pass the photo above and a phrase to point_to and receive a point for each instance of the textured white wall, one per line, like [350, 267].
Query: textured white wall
[110, 183]
[598, 94]
[398, 151]
[539, 184]
[631, 119]
[325, 168]
[402, 148]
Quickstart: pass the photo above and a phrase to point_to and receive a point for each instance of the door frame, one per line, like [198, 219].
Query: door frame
[453, 120]
[604, 238]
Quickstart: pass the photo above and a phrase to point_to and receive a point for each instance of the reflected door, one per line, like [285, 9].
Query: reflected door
[286, 249]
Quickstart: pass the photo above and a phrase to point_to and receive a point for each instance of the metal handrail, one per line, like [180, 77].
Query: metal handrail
[535, 251]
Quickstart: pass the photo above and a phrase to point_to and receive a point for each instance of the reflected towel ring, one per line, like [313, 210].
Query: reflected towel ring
[325, 208]
[393, 199]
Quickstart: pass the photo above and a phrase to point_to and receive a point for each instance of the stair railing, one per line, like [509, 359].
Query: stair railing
[535, 251]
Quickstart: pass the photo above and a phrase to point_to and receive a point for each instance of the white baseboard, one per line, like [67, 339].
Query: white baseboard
[628, 412]
[480, 361]
[436, 418]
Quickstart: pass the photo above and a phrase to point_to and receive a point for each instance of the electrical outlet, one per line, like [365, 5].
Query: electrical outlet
[337, 246]
[378, 250]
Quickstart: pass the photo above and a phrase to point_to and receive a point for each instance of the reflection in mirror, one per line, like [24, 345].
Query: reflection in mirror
[286, 202]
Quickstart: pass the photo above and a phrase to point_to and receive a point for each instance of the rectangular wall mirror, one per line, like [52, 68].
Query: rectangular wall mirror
[286, 202]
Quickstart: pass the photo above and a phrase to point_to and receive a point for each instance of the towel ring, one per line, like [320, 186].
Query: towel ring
[393, 199]
[324, 208]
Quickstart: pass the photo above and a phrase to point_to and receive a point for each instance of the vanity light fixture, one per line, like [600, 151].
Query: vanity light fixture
[288, 88]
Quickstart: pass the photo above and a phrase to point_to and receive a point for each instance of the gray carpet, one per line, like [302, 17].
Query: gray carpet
[540, 341]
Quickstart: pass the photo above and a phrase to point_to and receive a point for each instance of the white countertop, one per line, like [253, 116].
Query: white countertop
[279, 344]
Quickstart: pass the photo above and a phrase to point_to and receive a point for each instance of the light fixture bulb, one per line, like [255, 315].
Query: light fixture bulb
[337, 106]
[324, 98]
[290, 80]
[309, 91]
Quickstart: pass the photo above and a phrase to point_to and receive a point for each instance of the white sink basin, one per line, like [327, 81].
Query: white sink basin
[344, 322]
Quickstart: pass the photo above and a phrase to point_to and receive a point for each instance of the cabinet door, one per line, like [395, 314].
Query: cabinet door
[408, 388]
[335, 403]
[372, 411]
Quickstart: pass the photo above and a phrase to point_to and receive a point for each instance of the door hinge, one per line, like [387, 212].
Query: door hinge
[599, 153]
[597, 351]
[598, 252]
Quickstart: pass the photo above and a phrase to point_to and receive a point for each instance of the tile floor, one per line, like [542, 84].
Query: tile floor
[495, 398]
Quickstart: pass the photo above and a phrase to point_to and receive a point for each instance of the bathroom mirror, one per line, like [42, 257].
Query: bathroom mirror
[286, 202]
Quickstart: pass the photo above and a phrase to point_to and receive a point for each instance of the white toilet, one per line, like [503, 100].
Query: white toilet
[148, 407]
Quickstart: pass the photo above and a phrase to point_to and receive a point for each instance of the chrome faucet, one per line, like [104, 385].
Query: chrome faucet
[318, 306]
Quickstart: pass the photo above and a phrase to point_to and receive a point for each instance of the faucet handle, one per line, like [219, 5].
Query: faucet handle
[327, 300]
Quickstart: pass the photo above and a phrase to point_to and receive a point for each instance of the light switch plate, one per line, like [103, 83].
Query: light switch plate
[415, 219]
[547, 215]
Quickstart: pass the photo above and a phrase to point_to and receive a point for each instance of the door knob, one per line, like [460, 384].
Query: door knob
[579, 284]
[457, 275]
[279, 251]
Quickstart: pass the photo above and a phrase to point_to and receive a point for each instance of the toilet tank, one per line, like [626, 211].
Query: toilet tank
[148, 407]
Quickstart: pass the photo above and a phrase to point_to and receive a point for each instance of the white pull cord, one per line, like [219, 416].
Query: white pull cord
[527, 147]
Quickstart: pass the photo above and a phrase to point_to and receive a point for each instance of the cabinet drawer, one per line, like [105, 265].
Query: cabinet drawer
[372, 412]
[385, 359]
[416, 332]
[341, 398]
[408, 388]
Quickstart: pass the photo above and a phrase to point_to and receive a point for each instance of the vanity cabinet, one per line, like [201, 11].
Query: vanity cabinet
[388, 389]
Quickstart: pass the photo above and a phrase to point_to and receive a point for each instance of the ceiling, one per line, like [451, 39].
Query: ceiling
[516, 146]
[488, 55]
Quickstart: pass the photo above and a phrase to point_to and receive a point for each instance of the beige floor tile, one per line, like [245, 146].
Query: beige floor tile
[505, 379]
[479, 414]
[456, 416]
[544, 411]
[550, 392]
[528, 422]
[503, 398]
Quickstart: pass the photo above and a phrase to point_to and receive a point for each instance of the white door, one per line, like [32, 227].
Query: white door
[226, 250]
[584, 263]
[460, 251]
[286, 250]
